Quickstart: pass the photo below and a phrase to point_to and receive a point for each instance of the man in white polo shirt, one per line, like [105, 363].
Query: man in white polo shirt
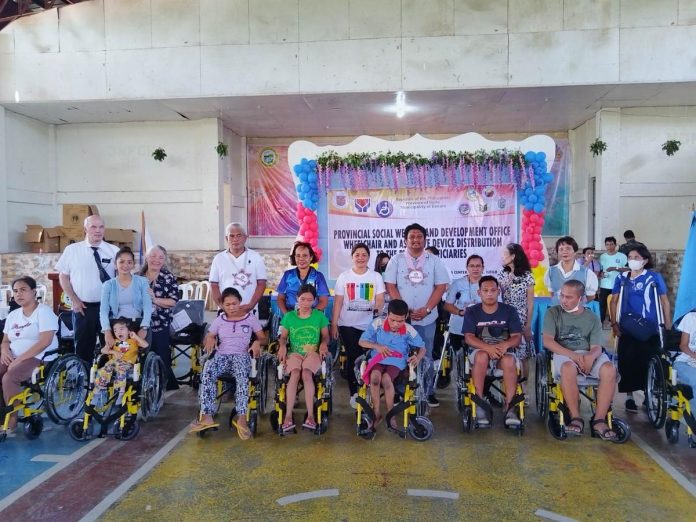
[83, 268]
[238, 267]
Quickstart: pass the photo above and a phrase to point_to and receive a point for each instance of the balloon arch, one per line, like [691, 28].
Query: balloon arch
[459, 163]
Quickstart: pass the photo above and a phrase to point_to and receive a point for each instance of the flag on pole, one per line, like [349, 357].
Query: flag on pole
[686, 294]
[146, 241]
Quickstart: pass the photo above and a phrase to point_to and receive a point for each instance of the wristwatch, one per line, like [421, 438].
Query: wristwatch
[427, 310]
[460, 313]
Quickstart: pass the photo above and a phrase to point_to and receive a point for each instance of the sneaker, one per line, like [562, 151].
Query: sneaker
[511, 419]
[630, 405]
[353, 401]
[432, 401]
[482, 418]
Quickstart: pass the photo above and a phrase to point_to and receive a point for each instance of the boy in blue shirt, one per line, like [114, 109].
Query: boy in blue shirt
[389, 341]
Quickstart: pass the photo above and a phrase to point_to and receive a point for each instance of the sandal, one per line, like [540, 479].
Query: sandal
[288, 428]
[576, 426]
[603, 434]
[243, 431]
[310, 425]
[200, 426]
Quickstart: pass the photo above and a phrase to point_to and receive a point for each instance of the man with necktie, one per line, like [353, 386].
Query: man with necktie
[83, 268]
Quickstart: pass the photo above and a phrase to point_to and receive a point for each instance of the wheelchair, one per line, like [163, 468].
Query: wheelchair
[186, 333]
[119, 414]
[468, 401]
[551, 406]
[226, 383]
[56, 387]
[665, 396]
[411, 408]
[323, 396]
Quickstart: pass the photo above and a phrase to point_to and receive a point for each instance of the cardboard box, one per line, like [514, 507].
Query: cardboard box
[42, 239]
[71, 235]
[74, 215]
[120, 237]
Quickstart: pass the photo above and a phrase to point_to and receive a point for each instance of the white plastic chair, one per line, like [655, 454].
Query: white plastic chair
[187, 290]
[41, 292]
[202, 291]
[5, 294]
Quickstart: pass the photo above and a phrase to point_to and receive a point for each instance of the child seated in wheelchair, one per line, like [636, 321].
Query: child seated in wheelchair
[233, 328]
[123, 355]
[390, 340]
[307, 330]
[493, 331]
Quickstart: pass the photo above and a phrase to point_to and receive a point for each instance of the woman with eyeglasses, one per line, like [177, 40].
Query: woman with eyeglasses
[462, 293]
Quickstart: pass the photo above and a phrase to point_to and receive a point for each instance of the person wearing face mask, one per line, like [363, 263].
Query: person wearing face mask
[638, 297]
[573, 334]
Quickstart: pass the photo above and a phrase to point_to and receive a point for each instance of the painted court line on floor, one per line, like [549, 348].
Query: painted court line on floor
[143, 470]
[43, 477]
[307, 495]
[550, 515]
[666, 466]
[44, 457]
[432, 493]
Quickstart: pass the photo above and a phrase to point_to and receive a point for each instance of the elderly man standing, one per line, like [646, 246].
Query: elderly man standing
[83, 268]
[238, 267]
[573, 334]
[419, 278]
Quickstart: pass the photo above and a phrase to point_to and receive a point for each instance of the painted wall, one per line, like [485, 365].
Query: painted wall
[27, 178]
[135, 49]
[638, 186]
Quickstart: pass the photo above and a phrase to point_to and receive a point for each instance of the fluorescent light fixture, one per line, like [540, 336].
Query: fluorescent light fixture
[400, 104]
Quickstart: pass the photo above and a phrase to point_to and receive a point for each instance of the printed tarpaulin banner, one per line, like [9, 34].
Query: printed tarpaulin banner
[459, 223]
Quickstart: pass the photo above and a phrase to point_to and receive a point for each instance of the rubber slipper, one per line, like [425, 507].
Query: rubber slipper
[244, 433]
[288, 428]
[196, 427]
[310, 425]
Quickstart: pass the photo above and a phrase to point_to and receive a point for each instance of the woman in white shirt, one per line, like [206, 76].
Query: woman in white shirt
[30, 332]
[685, 363]
[359, 293]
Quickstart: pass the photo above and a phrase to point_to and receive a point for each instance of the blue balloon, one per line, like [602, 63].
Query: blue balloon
[539, 207]
[529, 206]
[529, 157]
[306, 168]
[533, 198]
[297, 168]
[312, 177]
[548, 177]
[529, 191]
[304, 187]
[540, 156]
[312, 164]
[303, 162]
[540, 190]
[303, 176]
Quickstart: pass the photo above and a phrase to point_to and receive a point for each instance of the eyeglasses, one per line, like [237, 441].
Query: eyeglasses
[235, 236]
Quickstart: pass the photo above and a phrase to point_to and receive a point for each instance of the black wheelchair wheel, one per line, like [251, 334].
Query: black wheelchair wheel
[467, 419]
[269, 372]
[541, 384]
[230, 419]
[323, 426]
[420, 428]
[66, 389]
[77, 431]
[692, 441]
[151, 387]
[253, 423]
[622, 430]
[556, 429]
[130, 430]
[273, 419]
[672, 431]
[33, 426]
[656, 395]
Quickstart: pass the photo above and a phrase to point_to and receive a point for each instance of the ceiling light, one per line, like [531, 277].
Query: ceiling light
[400, 105]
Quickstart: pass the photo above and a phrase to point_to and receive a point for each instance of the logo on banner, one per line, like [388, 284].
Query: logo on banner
[269, 157]
[341, 200]
[464, 209]
[362, 205]
[384, 209]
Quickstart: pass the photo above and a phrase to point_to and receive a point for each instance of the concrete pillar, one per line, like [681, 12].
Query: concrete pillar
[608, 222]
[4, 229]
